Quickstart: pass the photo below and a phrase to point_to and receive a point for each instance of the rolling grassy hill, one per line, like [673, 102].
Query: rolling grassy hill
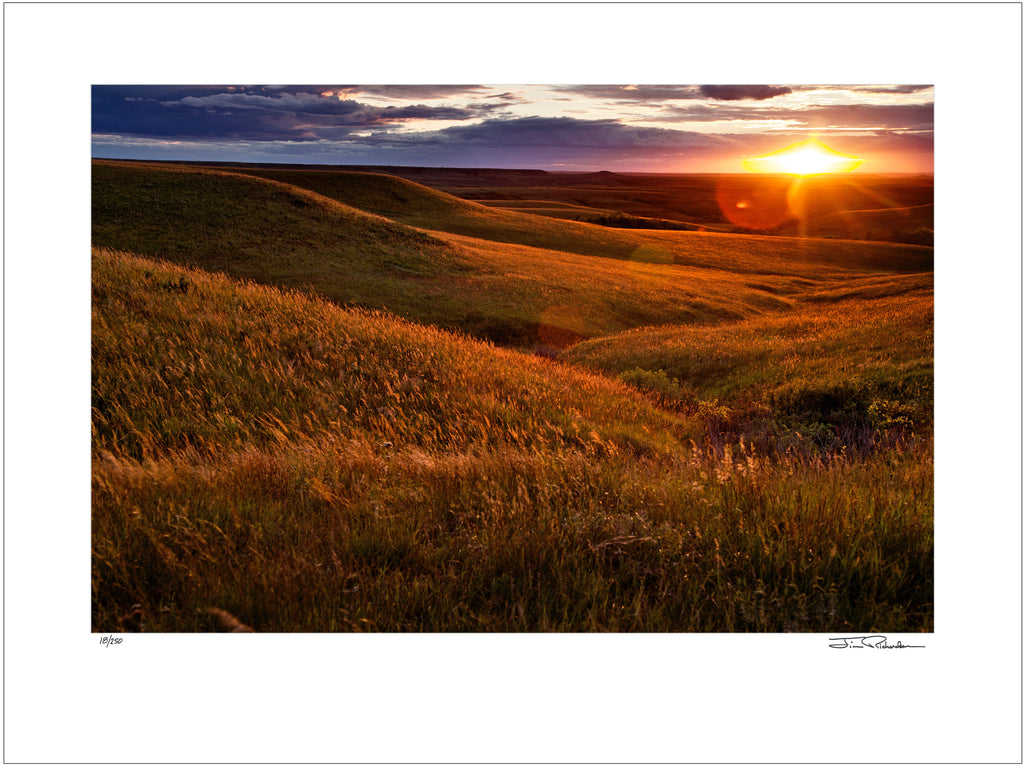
[203, 355]
[279, 234]
[691, 198]
[306, 467]
[409, 203]
[355, 240]
[844, 368]
[737, 436]
[418, 206]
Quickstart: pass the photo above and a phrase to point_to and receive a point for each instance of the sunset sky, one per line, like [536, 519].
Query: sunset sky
[648, 128]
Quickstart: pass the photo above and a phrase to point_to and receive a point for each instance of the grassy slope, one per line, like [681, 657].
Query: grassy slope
[254, 230]
[845, 362]
[418, 206]
[880, 224]
[512, 294]
[700, 199]
[206, 355]
[311, 468]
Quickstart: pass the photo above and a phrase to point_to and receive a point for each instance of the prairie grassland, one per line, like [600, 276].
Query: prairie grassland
[418, 206]
[311, 468]
[845, 368]
[678, 197]
[915, 224]
[512, 294]
[408, 203]
[182, 357]
[500, 290]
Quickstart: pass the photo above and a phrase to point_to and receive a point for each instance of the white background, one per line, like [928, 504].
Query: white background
[533, 698]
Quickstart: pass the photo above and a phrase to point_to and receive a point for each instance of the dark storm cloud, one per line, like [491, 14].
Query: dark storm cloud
[534, 142]
[148, 117]
[115, 93]
[425, 112]
[568, 132]
[252, 112]
[744, 92]
[353, 112]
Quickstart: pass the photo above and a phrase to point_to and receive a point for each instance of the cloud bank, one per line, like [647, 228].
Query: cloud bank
[742, 92]
[576, 127]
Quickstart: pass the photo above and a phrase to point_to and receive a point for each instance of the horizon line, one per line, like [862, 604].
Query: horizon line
[500, 168]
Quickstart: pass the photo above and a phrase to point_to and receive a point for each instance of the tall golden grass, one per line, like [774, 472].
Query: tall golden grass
[304, 467]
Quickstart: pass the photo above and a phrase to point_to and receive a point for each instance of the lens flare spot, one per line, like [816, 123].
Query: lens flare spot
[754, 202]
[561, 326]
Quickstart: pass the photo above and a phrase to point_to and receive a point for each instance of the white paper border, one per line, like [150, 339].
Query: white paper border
[510, 698]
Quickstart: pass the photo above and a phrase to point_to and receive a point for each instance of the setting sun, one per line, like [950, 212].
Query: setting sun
[804, 158]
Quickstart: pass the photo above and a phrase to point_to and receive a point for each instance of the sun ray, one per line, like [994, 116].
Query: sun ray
[805, 158]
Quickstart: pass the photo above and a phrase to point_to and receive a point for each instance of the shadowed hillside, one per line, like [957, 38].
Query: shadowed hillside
[254, 229]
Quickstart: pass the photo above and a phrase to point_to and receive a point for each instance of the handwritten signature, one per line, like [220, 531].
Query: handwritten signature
[867, 641]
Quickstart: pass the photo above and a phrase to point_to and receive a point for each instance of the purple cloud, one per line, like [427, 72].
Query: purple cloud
[743, 92]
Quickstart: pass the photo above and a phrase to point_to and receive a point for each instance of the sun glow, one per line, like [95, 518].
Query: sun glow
[804, 158]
